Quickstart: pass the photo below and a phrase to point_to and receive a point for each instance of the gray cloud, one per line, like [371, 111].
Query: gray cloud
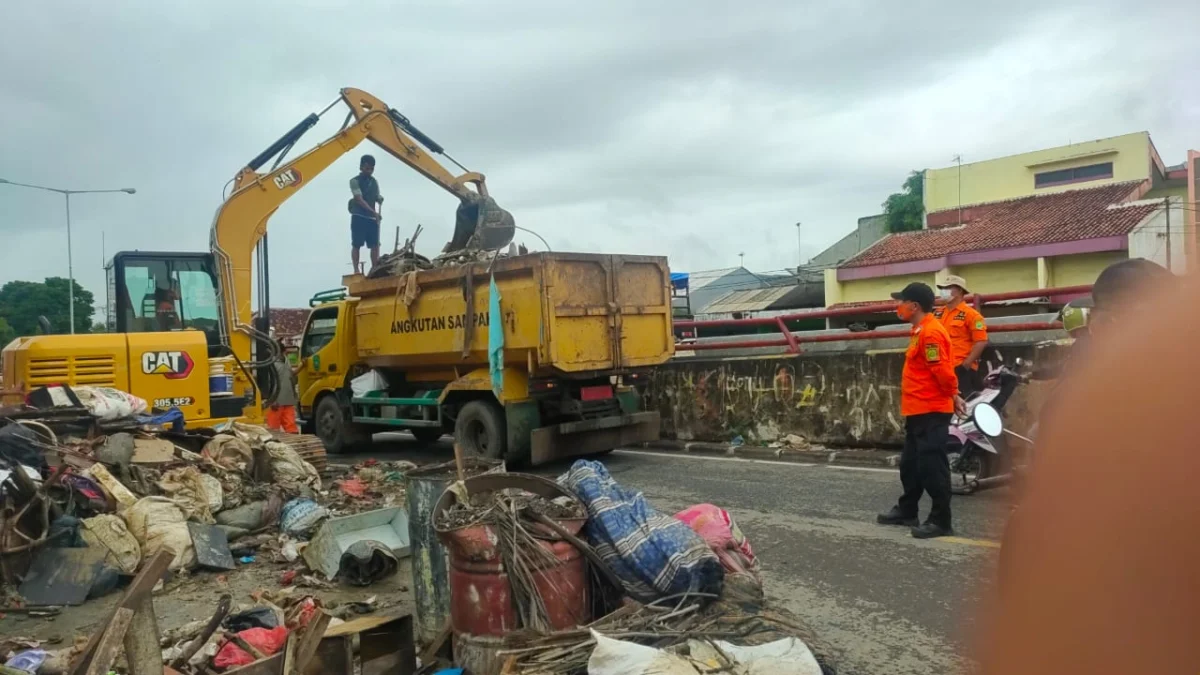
[696, 130]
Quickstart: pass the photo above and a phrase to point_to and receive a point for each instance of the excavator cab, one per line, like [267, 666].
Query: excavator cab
[152, 292]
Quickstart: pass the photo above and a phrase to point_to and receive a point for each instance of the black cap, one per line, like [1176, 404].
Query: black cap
[367, 159]
[916, 292]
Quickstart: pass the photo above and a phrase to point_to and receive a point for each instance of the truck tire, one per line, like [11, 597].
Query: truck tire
[338, 434]
[427, 434]
[480, 430]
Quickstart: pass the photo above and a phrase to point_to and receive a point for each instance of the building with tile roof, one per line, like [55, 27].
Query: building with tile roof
[1046, 219]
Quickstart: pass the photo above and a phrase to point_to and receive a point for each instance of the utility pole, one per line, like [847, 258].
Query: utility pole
[742, 260]
[958, 160]
[1167, 206]
[799, 249]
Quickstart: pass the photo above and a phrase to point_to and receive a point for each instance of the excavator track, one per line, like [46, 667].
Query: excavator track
[308, 446]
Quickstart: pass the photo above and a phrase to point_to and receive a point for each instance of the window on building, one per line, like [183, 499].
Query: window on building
[1078, 174]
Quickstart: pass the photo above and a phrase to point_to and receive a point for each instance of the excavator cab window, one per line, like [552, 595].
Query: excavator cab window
[153, 292]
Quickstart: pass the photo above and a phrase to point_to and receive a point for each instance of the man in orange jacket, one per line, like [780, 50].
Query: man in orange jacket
[928, 399]
[968, 333]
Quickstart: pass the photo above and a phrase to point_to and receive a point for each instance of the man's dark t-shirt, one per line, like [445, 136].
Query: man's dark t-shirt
[366, 187]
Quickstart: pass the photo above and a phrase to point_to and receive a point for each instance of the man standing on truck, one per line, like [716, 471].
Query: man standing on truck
[365, 204]
[968, 333]
[928, 399]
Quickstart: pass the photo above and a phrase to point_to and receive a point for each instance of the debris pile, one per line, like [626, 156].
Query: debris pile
[677, 594]
[89, 501]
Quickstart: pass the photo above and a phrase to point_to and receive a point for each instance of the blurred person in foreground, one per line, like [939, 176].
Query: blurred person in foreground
[1101, 570]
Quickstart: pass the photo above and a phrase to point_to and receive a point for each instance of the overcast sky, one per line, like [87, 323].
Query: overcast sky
[695, 130]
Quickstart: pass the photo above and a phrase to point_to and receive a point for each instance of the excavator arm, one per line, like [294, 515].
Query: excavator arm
[241, 221]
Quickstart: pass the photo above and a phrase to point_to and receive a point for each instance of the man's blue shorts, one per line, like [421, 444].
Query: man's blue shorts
[364, 231]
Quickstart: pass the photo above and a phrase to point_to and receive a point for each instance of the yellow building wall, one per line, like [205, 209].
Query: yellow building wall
[992, 277]
[879, 288]
[1011, 177]
[998, 277]
[1080, 269]
[1180, 191]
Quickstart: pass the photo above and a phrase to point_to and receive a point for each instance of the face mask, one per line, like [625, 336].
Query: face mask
[905, 312]
[944, 293]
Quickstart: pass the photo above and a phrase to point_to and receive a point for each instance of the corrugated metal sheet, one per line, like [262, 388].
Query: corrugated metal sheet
[761, 299]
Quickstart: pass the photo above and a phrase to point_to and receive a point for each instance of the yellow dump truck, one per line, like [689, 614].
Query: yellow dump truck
[579, 332]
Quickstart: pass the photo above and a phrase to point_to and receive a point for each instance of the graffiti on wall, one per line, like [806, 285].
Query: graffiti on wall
[847, 399]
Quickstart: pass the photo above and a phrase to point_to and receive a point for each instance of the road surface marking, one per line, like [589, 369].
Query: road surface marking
[985, 543]
[861, 468]
[685, 455]
[753, 460]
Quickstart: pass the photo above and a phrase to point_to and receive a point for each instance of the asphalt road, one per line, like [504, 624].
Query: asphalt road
[887, 602]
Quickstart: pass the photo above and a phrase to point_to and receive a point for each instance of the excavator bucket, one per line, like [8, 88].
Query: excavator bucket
[482, 224]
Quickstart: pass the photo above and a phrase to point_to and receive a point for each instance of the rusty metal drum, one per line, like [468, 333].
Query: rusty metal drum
[430, 563]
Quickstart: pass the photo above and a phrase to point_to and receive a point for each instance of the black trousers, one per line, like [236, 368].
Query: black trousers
[969, 381]
[924, 466]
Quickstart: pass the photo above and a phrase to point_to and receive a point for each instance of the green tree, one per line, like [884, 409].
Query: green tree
[99, 327]
[21, 302]
[905, 210]
[7, 334]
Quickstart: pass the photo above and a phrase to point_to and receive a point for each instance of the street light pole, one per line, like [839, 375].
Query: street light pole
[70, 263]
[70, 269]
[799, 248]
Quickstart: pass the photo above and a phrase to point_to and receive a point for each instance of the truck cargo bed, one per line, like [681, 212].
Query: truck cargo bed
[563, 313]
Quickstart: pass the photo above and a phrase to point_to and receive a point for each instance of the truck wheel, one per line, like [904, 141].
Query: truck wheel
[337, 433]
[427, 434]
[480, 431]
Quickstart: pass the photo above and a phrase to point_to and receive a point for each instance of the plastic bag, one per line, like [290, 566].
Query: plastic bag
[266, 640]
[253, 435]
[723, 536]
[188, 489]
[301, 516]
[108, 404]
[110, 532]
[158, 524]
[368, 382]
[617, 657]
[20, 445]
[229, 451]
[789, 656]
[289, 469]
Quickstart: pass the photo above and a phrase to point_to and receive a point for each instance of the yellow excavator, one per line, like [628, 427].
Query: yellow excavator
[182, 327]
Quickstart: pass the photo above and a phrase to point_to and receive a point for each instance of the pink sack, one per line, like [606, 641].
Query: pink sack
[266, 640]
[716, 527]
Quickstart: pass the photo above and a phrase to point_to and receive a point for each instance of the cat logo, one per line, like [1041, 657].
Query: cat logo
[171, 365]
[287, 179]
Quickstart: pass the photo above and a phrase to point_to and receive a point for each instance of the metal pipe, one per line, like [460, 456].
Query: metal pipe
[876, 308]
[865, 335]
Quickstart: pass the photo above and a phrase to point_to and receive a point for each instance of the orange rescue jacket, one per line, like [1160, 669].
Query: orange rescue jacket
[928, 384]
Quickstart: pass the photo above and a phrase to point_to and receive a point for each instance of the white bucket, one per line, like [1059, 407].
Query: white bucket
[220, 376]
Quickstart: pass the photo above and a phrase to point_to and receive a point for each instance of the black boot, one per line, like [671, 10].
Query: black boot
[931, 530]
[896, 517]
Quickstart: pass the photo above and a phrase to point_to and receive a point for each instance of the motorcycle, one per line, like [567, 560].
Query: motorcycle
[979, 459]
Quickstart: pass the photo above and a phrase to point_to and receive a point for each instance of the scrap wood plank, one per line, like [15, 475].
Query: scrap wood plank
[310, 639]
[111, 642]
[139, 590]
[272, 665]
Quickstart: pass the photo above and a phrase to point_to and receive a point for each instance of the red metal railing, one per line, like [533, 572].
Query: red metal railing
[793, 341]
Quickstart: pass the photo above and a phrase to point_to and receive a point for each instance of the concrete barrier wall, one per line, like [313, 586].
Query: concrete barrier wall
[846, 398]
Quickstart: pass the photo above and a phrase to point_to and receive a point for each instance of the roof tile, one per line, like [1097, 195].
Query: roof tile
[1027, 221]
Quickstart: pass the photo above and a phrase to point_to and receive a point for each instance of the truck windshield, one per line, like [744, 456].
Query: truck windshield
[322, 325]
